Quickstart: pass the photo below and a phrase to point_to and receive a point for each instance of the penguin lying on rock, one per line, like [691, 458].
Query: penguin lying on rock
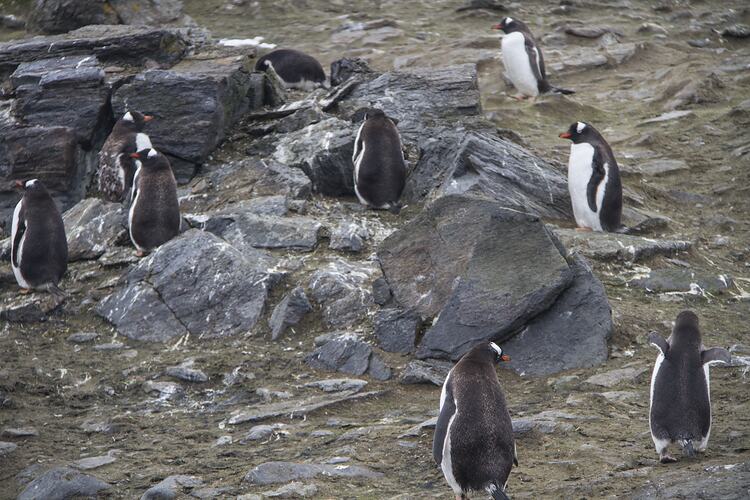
[39, 248]
[523, 60]
[680, 408]
[116, 167]
[473, 442]
[296, 69]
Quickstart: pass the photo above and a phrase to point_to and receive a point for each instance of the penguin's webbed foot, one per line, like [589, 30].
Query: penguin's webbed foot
[520, 97]
[584, 229]
[25, 291]
[666, 458]
[140, 253]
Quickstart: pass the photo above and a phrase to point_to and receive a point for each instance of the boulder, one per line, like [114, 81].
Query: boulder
[197, 284]
[65, 92]
[430, 371]
[396, 330]
[61, 16]
[29, 308]
[94, 226]
[62, 483]
[283, 472]
[682, 280]
[342, 289]
[289, 312]
[467, 261]
[346, 68]
[265, 231]
[171, 486]
[194, 104]
[151, 12]
[348, 236]
[347, 354]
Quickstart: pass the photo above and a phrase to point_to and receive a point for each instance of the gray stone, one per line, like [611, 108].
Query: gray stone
[251, 179]
[290, 311]
[548, 422]
[195, 283]
[62, 483]
[341, 288]
[417, 429]
[378, 369]
[671, 115]
[728, 482]
[659, 167]
[19, 432]
[338, 384]
[682, 280]
[61, 16]
[613, 246]
[170, 487]
[165, 390]
[616, 377]
[430, 371]
[293, 490]
[466, 261]
[265, 231]
[82, 337]
[345, 354]
[30, 308]
[150, 12]
[736, 31]
[89, 463]
[7, 448]
[396, 330]
[348, 236]
[259, 432]
[381, 292]
[283, 472]
[581, 317]
[349, 68]
[323, 151]
[90, 427]
[186, 373]
[94, 226]
[109, 346]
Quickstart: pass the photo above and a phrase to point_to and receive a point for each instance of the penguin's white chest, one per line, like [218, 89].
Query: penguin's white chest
[14, 230]
[580, 170]
[518, 65]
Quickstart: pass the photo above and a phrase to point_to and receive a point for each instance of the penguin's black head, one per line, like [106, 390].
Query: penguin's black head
[33, 187]
[497, 352]
[151, 159]
[686, 326]
[135, 120]
[580, 132]
[374, 113]
[509, 25]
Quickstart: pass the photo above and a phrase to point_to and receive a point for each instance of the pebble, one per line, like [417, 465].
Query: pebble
[6, 448]
[616, 377]
[19, 432]
[82, 337]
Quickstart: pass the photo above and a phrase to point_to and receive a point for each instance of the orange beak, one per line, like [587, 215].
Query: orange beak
[20, 184]
[147, 118]
[498, 26]
[504, 357]
[565, 135]
[135, 155]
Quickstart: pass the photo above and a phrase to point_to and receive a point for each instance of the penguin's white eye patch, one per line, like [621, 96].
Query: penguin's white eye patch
[142, 142]
[580, 127]
[31, 182]
[152, 153]
[496, 348]
[128, 117]
[508, 20]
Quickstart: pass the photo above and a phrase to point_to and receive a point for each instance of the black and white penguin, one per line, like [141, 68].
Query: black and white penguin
[379, 164]
[296, 69]
[39, 248]
[154, 216]
[473, 442]
[523, 60]
[116, 167]
[593, 180]
[680, 408]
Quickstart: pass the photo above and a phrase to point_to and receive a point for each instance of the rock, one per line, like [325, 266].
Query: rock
[259, 432]
[481, 4]
[609, 246]
[90, 427]
[165, 390]
[659, 167]
[170, 487]
[296, 408]
[581, 317]
[323, 151]
[590, 31]
[341, 288]
[396, 330]
[251, 179]
[186, 373]
[616, 377]
[282, 472]
[431, 371]
[462, 257]
[547, 422]
[194, 104]
[19, 432]
[30, 308]
[61, 16]
[109, 346]
[7, 448]
[289, 312]
[265, 231]
[132, 45]
[417, 429]
[728, 482]
[47, 89]
[223, 441]
[62, 483]
[682, 280]
[378, 369]
[94, 226]
[12, 22]
[293, 490]
[347, 68]
[381, 292]
[82, 337]
[672, 115]
[345, 354]
[736, 31]
[150, 12]
[338, 384]
[348, 236]
[95, 462]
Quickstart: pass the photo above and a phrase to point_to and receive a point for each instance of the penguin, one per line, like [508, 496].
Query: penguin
[523, 60]
[680, 407]
[379, 164]
[116, 168]
[473, 442]
[39, 248]
[296, 69]
[154, 216]
[593, 180]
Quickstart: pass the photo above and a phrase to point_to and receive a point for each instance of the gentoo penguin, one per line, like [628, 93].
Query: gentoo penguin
[296, 69]
[523, 60]
[39, 248]
[680, 390]
[593, 180]
[379, 165]
[473, 442]
[154, 216]
[116, 168]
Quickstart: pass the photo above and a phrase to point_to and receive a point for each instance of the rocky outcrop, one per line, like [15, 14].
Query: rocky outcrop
[94, 226]
[290, 311]
[347, 354]
[196, 284]
[340, 288]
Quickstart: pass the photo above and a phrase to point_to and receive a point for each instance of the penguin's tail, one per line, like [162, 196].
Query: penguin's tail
[497, 492]
[558, 90]
[56, 291]
[687, 447]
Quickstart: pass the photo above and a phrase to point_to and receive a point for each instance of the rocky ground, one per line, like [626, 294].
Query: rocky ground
[291, 344]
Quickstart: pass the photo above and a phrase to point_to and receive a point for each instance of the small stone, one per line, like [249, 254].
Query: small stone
[82, 337]
[290, 311]
[223, 441]
[417, 429]
[426, 372]
[259, 432]
[165, 390]
[321, 433]
[338, 384]
[381, 292]
[19, 432]
[110, 346]
[282, 472]
[6, 448]
[184, 372]
[348, 236]
[616, 377]
[90, 427]
[95, 462]
[170, 487]
[293, 490]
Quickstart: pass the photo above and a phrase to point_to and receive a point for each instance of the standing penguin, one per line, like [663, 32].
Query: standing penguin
[593, 180]
[473, 442]
[523, 60]
[296, 69]
[116, 167]
[680, 390]
[379, 165]
[39, 248]
[154, 216]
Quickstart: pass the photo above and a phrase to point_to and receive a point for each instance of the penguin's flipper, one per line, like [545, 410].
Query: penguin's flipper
[20, 229]
[715, 355]
[497, 494]
[441, 428]
[134, 188]
[536, 59]
[658, 341]
[558, 90]
[598, 172]
[515, 454]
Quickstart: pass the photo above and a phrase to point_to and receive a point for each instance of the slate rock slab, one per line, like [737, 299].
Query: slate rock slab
[467, 262]
[30, 308]
[171, 486]
[431, 371]
[62, 483]
[682, 280]
[195, 283]
[265, 231]
[728, 482]
[396, 330]
[342, 288]
[283, 472]
[347, 354]
[93, 226]
[290, 311]
[61, 16]
[609, 246]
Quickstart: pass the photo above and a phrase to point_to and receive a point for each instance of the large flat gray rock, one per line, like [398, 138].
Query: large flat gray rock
[62, 483]
[283, 472]
[609, 246]
[94, 226]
